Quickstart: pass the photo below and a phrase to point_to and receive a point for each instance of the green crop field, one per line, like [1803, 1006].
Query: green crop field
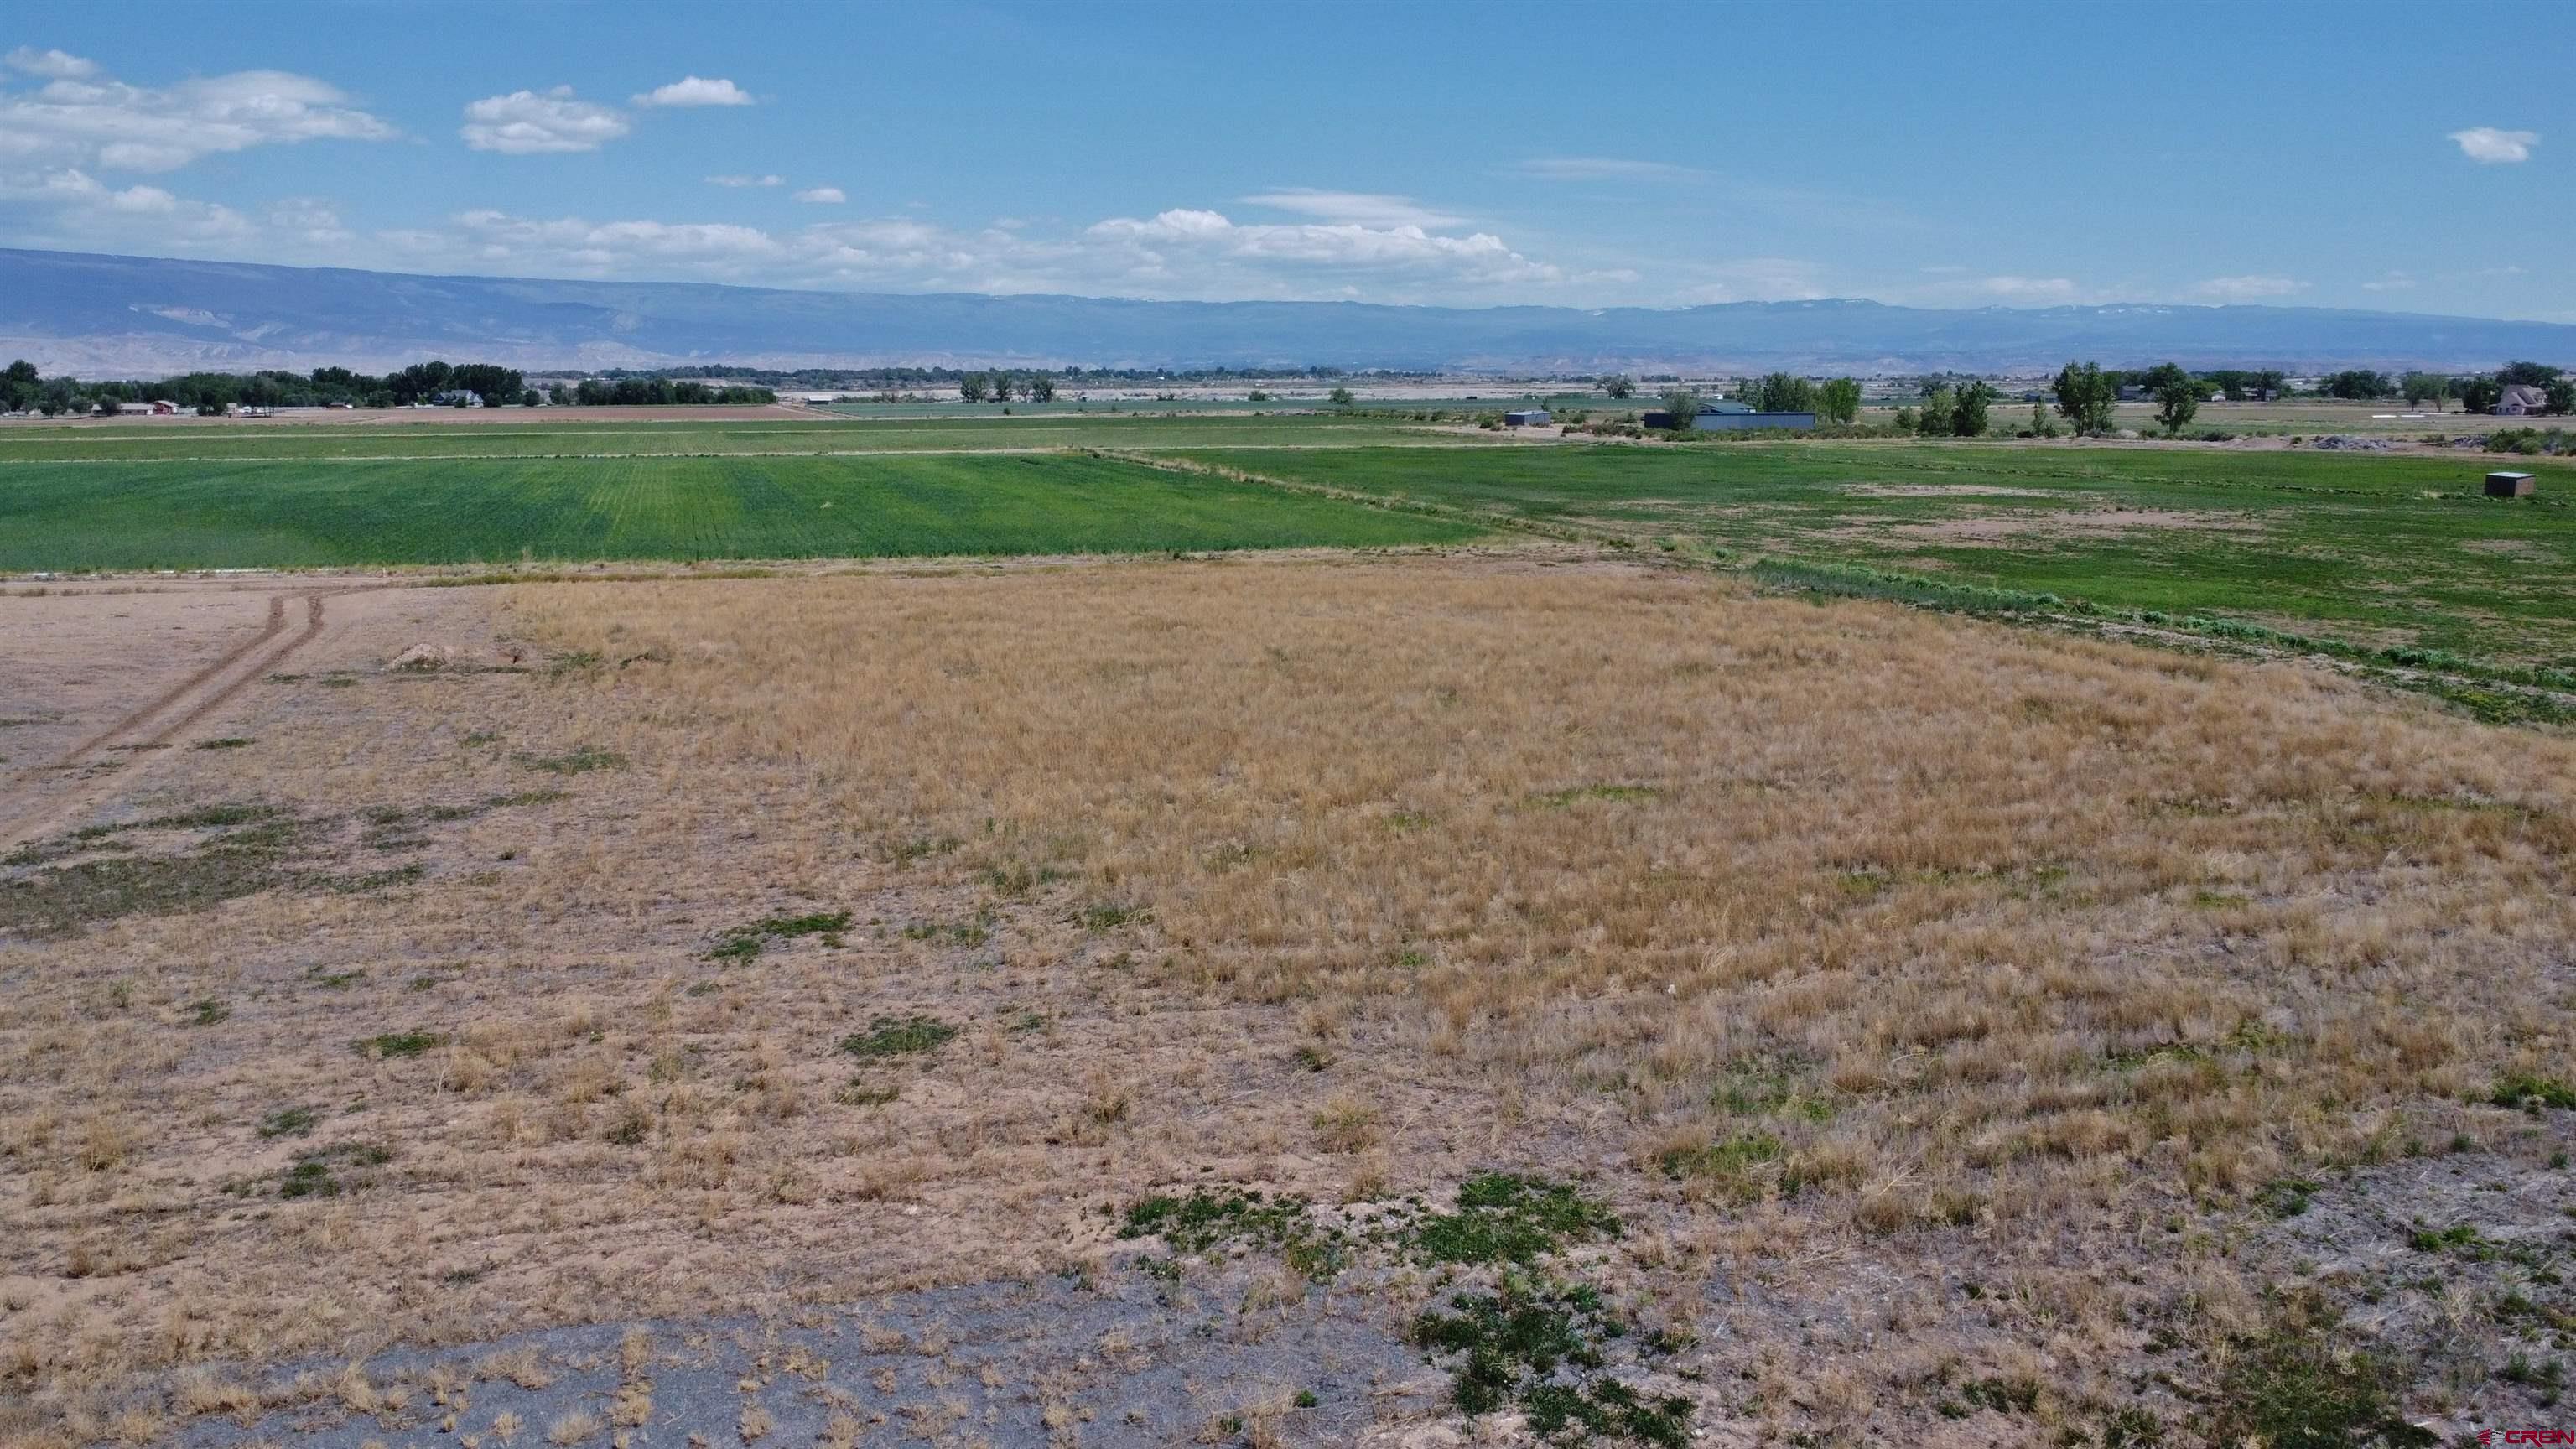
[545, 437]
[2375, 549]
[319, 513]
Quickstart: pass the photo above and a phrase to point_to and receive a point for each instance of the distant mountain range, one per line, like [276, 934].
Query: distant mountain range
[103, 316]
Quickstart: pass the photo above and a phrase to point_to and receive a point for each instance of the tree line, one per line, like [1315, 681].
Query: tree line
[23, 389]
[1001, 387]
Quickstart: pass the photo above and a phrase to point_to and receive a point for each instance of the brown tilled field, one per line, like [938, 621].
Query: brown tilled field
[1902, 1025]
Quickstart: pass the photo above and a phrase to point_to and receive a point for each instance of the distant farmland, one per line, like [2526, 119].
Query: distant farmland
[335, 512]
[2383, 550]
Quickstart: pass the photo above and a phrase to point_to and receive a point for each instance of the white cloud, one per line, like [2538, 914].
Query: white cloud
[2489, 146]
[2241, 289]
[822, 195]
[1154, 246]
[1756, 279]
[529, 123]
[309, 222]
[773, 179]
[1363, 208]
[78, 210]
[1181, 253]
[693, 91]
[2389, 282]
[51, 64]
[80, 118]
[1601, 168]
[2050, 289]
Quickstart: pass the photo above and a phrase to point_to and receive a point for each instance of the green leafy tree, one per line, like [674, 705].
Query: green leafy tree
[2478, 394]
[2527, 374]
[1782, 393]
[1003, 385]
[2177, 395]
[973, 387]
[1683, 404]
[1838, 402]
[1041, 388]
[20, 387]
[1341, 397]
[1619, 385]
[2420, 388]
[1968, 409]
[2562, 395]
[1940, 411]
[2358, 384]
[2084, 395]
[2041, 424]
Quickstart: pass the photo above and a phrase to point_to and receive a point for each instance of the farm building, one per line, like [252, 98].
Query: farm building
[2518, 400]
[1729, 416]
[1527, 418]
[2509, 485]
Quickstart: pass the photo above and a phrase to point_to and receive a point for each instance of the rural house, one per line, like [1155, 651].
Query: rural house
[1527, 418]
[2518, 400]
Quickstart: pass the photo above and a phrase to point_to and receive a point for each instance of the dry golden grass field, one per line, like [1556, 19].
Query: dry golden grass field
[1961, 1023]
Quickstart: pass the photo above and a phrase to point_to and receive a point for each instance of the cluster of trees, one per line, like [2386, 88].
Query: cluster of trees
[2475, 393]
[23, 390]
[975, 387]
[2085, 394]
[1950, 412]
[2236, 385]
[631, 392]
[1835, 401]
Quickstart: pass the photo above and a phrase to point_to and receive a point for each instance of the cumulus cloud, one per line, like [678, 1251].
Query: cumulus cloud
[2023, 289]
[2489, 146]
[51, 64]
[1182, 253]
[81, 118]
[822, 195]
[2245, 289]
[695, 91]
[1363, 208]
[77, 209]
[309, 221]
[531, 123]
[1155, 243]
[773, 179]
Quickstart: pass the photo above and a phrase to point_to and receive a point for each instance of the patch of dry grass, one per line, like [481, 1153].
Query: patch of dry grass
[1860, 950]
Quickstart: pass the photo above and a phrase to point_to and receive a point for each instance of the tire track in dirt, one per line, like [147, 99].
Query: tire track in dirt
[156, 723]
[161, 701]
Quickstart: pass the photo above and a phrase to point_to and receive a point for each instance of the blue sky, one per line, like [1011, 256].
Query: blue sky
[2346, 154]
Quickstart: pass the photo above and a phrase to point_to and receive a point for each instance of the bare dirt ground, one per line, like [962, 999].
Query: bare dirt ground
[1885, 1023]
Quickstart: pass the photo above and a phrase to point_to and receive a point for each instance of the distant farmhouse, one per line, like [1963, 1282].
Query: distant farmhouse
[1527, 418]
[2518, 401]
[1729, 416]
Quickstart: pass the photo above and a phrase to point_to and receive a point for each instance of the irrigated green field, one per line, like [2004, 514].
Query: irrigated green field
[321, 512]
[2378, 550]
[2367, 551]
[543, 437]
